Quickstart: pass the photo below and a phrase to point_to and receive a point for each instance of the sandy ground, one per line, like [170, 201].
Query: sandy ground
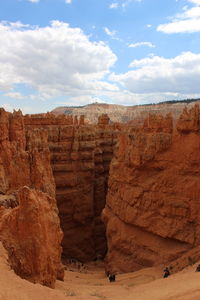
[92, 284]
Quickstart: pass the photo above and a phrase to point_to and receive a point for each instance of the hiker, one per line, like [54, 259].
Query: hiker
[111, 277]
[166, 272]
[198, 268]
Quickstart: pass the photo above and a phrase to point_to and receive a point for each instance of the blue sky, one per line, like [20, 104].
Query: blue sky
[74, 52]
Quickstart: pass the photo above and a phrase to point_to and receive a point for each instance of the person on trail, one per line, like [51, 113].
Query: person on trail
[166, 272]
[111, 277]
[198, 268]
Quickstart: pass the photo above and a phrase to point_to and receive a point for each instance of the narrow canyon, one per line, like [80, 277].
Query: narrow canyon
[80, 160]
[122, 192]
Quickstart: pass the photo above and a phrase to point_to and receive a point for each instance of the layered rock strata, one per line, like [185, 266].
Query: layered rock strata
[80, 159]
[152, 207]
[29, 223]
[32, 236]
[119, 113]
[151, 212]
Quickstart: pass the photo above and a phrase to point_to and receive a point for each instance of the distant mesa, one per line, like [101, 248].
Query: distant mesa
[123, 114]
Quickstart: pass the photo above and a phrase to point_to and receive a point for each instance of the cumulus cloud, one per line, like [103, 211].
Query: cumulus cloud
[197, 2]
[54, 60]
[186, 22]
[155, 74]
[139, 44]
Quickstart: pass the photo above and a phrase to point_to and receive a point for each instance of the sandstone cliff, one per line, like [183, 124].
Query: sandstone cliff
[80, 159]
[31, 234]
[29, 224]
[149, 174]
[152, 206]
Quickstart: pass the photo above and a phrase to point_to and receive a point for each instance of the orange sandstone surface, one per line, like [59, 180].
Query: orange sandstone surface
[57, 174]
[92, 285]
[43, 157]
[152, 207]
[80, 159]
[29, 223]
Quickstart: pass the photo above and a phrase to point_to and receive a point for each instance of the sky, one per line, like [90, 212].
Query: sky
[75, 52]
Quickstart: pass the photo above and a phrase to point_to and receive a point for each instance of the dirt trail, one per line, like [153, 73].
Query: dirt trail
[141, 285]
[91, 283]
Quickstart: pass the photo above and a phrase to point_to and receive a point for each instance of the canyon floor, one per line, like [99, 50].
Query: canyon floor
[91, 283]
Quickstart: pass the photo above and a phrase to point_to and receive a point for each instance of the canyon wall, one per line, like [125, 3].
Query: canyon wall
[146, 177]
[80, 158]
[152, 207]
[29, 223]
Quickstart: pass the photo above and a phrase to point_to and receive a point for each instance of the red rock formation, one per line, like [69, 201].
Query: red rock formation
[25, 161]
[152, 204]
[82, 120]
[189, 120]
[103, 119]
[41, 174]
[80, 158]
[32, 236]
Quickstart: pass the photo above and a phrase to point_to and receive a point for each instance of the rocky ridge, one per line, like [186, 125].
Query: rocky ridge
[152, 205]
[119, 113]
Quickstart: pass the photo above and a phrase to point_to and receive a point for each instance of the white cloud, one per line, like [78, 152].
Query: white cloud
[180, 74]
[109, 32]
[187, 26]
[112, 34]
[15, 95]
[81, 100]
[186, 22]
[191, 13]
[114, 5]
[122, 3]
[68, 1]
[197, 2]
[139, 44]
[56, 60]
